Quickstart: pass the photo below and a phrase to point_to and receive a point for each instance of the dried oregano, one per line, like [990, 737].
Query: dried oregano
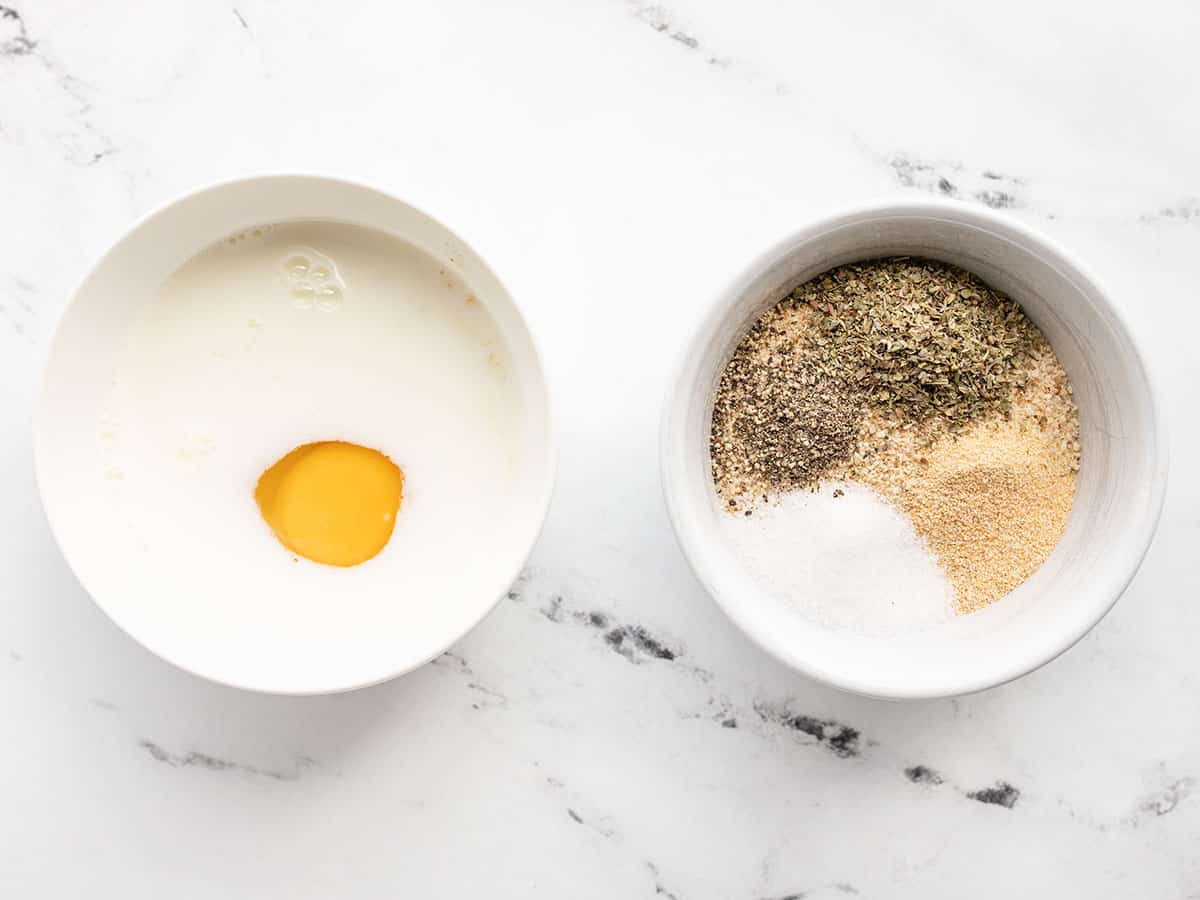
[917, 338]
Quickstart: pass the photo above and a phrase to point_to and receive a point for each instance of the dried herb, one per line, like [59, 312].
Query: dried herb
[917, 338]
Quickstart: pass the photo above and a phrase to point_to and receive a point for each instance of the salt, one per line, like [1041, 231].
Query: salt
[842, 556]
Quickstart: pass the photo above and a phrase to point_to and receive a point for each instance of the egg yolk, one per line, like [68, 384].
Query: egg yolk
[331, 501]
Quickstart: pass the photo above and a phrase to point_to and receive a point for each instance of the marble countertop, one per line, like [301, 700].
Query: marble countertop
[606, 732]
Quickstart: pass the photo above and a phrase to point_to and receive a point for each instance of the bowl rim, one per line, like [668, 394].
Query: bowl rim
[547, 482]
[694, 543]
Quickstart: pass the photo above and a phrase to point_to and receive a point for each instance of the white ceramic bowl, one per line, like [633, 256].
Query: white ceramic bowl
[1119, 492]
[257, 636]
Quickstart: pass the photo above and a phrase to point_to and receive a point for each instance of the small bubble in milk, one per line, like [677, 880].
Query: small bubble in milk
[303, 296]
[329, 297]
[296, 266]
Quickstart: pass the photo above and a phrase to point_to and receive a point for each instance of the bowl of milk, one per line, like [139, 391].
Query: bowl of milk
[294, 435]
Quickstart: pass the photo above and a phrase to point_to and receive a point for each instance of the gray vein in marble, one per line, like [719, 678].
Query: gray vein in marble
[452, 660]
[660, 889]
[1167, 800]
[593, 821]
[241, 18]
[553, 609]
[15, 308]
[665, 23]
[14, 39]
[101, 703]
[1150, 809]
[718, 708]
[998, 190]
[1000, 794]
[85, 144]
[607, 829]
[840, 887]
[516, 589]
[194, 759]
[486, 697]
[1161, 802]
[1153, 806]
[922, 775]
[847, 742]
[491, 697]
[953, 179]
[1187, 210]
[841, 740]
[662, 21]
[632, 642]
[599, 825]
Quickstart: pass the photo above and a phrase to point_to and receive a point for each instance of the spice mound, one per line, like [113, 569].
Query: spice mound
[917, 381]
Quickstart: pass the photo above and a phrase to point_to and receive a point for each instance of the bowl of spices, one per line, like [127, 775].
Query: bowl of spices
[913, 451]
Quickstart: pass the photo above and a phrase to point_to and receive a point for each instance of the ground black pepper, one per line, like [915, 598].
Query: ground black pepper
[777, 422]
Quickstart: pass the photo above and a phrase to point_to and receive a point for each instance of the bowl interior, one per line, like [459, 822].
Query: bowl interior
[234, 622]
[1119, 489]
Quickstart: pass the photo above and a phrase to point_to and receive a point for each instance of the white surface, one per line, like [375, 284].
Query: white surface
[840, 556]
[165, 401]
[613, 177]
[1118, 494]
